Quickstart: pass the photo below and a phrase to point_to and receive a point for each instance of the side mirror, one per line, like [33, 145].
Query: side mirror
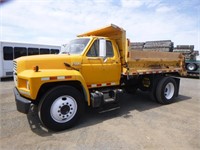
[102, 48]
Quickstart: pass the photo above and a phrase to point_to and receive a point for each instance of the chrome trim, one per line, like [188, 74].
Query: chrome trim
[14, 67]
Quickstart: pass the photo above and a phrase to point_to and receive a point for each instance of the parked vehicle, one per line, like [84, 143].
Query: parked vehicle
[95, 70]
[191, 63]
[12, 50]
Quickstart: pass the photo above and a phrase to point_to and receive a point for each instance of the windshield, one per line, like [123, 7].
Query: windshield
[75, 46]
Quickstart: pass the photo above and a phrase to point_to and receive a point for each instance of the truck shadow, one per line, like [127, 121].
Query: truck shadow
[139, 102]
[35, 124]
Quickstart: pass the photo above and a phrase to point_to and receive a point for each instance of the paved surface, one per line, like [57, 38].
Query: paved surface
[139, 124]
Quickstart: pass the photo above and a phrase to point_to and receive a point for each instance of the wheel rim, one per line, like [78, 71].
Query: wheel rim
[63, 109]
[169, 91]
[191, 67]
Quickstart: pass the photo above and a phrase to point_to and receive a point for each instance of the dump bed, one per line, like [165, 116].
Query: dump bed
[150, 62]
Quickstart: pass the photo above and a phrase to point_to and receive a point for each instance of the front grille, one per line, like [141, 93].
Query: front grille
[14, 66]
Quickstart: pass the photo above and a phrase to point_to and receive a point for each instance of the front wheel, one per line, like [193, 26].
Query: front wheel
[166, 90]
[61, 108]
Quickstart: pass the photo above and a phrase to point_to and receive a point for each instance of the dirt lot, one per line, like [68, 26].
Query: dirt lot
[139, 124]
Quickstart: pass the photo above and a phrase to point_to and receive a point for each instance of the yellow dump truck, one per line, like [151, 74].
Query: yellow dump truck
[93, 71]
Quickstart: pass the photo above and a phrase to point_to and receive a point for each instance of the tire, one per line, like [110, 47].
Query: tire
[191, 67]
[153, 87]
[166, 90]
[61, 108]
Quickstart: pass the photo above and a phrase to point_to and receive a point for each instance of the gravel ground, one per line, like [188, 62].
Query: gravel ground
[140, 123]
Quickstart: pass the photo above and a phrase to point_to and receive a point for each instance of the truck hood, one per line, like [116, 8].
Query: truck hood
[45, 62]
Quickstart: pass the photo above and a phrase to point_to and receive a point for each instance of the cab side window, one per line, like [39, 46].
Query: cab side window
[109, 49]
[94, 50]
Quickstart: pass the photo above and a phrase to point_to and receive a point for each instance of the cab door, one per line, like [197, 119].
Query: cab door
[98, 70]
[111, 64]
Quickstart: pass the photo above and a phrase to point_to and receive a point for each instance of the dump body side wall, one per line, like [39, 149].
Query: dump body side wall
[143, 61]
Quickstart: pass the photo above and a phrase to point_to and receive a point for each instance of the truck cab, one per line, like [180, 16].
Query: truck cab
[100, 60]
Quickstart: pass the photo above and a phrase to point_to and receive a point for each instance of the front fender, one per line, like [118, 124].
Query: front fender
[37, 79]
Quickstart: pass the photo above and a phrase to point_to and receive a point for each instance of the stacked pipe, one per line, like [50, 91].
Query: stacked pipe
[187, 51]
[136, 46]
[165, 46]
[162, 46]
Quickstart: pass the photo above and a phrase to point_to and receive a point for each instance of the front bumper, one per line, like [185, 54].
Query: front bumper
[23, 104]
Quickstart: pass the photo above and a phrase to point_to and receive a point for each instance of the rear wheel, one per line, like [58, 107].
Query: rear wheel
[61, 108]
[153, 87]
[166, 90]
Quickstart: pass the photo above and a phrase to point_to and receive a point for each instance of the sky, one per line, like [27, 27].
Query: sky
[56, 22]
